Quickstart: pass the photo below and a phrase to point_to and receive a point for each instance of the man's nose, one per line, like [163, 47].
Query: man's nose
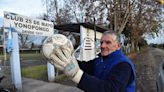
[103, 44]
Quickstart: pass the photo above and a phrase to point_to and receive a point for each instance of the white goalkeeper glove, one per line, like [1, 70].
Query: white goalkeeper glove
[61, 54]
[65, 61]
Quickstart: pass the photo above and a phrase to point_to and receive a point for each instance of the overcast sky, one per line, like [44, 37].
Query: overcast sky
[157, 39]
[31, 8]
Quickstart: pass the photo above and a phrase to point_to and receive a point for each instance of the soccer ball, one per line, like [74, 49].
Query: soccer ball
[56, 41]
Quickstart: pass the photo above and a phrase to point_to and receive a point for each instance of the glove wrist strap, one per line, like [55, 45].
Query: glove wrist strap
[78, 76]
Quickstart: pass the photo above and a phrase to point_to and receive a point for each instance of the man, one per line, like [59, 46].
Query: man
[112, 71]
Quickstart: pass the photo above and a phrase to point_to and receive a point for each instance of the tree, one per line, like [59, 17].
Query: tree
[130, 17]
[144, 19]
[56, 12]
[25, 40]
[133, 17]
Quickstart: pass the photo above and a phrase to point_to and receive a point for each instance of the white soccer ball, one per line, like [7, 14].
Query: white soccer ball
[56, 41]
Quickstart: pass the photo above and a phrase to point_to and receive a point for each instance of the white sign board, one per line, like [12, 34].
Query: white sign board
[26, 25]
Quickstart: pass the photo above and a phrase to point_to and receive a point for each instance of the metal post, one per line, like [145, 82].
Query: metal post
[95, 35]
[50, 67]
[51, 72]
[15, 62]
[4, 45]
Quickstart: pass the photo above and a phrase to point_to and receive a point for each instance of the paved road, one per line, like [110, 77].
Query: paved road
[147, 68]
[31, 85]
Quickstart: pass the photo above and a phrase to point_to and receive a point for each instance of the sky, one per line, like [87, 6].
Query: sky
[30, 8]
[157, 39]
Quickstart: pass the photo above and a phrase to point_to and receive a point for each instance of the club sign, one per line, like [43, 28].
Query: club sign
[26, 25]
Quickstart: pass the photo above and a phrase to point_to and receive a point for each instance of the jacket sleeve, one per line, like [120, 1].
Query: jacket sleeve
[87, 67]
[116, 82]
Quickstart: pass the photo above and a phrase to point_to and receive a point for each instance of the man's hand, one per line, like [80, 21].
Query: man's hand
[65, 61]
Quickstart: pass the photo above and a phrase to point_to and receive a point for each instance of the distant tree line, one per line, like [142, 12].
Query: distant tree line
[157, 45]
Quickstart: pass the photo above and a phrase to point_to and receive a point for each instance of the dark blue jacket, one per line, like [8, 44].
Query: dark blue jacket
[113, 73]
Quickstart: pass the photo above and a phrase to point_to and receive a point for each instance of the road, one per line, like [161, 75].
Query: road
[147, 68]
[31, 85]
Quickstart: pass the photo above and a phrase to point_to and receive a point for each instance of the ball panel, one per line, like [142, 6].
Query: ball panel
[47, 49]
[56, 41]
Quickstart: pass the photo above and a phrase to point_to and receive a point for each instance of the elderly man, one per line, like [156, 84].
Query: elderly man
[112, 71]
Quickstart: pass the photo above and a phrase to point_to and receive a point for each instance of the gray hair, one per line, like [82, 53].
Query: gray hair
[111, 32]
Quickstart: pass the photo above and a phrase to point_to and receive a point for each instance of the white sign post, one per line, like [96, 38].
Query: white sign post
[15, 62]
[51, 72]
[25, 25]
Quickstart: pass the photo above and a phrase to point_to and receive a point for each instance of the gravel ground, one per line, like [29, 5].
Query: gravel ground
[147, 64]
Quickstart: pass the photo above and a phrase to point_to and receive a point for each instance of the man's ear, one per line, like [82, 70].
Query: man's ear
[118, 45]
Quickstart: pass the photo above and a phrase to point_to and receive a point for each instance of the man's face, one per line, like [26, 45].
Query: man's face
[109, 44]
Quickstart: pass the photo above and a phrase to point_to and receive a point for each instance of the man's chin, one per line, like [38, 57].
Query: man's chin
[104, 54]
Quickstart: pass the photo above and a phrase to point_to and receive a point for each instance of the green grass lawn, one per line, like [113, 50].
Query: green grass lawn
[40, 73]
[32, 56]
[35, 72]
[26, 56]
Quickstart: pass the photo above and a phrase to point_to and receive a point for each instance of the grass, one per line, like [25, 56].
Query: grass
[35, 72]
[62, 77]
[40, 73]
[32, 56]
[26, 56]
